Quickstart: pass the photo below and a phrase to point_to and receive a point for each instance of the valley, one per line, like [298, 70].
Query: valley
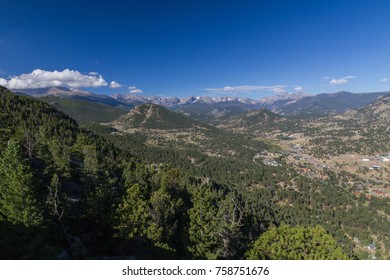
[296, 170]
[354, 143]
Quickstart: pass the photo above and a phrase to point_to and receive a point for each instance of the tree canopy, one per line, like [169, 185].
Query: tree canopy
[296, 243]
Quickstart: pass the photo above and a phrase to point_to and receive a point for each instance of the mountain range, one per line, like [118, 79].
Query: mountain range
[212, 110]
[326, 103]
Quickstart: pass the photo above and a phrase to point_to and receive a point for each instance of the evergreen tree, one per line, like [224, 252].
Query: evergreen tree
[204, 223]
[165, 213]
[296, 243]
[232, 217]
[133, 216]
[18, 203]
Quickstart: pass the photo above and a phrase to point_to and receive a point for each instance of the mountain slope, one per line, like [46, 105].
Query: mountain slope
[255, 122]
[215, 112]
[83, 106]
[85, 111]
[364, 131]
[151, 116]
[377, 112]
[68, 167]
[52, 91]
[161, 128]
[77, 94]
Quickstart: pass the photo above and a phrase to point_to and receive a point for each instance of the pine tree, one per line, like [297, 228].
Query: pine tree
[296, 243]
[232, 216]
[165, 212]
[133, 216]
[18, 203]
[204, 224]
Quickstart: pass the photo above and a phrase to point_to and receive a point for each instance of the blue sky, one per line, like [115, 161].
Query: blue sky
[182, 48]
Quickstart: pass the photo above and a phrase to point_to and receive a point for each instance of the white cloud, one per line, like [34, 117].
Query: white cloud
[343, 80]
[136, 91]
[3, 82]
[327, 78]
[384, 80]
[248, 89]
[67, 78]
[338, 81]
[278, 90]
[298, 88]
[93, 74]
[114, 84]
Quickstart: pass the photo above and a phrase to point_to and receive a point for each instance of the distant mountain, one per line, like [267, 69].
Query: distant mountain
[215, 113]
[83, 106]
[101, 99]
[131, 99]
[322, 104]
[77, 94]
[172, 102]
[213, 110]
[276, 102]
[206, 109]
[187, 101]
[54, 91]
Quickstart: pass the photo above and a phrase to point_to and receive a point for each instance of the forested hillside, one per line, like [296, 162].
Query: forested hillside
[68, 193]
[364, 131]
[156, 134]
[258, 122]
[85, 111]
